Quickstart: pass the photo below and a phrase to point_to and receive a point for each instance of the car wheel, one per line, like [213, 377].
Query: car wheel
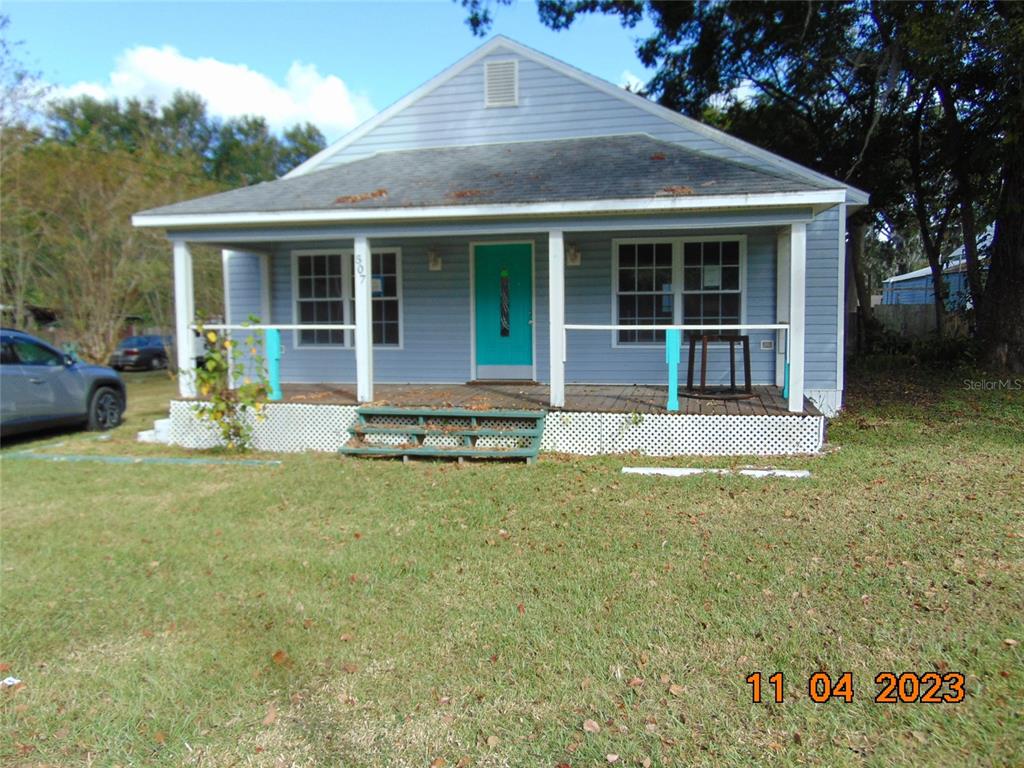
[157, 363]
[105, 409]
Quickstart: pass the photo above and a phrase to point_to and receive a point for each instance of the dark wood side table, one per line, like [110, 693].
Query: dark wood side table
[744, 341]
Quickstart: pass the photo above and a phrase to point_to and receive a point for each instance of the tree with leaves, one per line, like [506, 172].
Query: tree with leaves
[69, 191]
[94, 266]
[919, 103]
[236, 152]
[21, 94]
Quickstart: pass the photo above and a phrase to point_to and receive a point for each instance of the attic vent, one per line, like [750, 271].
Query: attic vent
[501, 83]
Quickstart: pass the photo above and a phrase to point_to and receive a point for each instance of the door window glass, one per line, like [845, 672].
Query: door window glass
[30, 353]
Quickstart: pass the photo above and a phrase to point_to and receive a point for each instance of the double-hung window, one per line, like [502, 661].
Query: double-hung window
[644, 293]
[711, 283]
[319, 297]
[692, 281]
[325, 294]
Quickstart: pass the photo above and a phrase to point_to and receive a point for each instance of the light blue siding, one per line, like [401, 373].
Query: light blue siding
[435, 322]
[436, 338]
[592, 356]
[243, 287]
[920, 290]
[551, 106]
[822, 309]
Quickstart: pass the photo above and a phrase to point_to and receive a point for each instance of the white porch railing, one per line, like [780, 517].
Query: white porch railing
[780, 328]
[272, 344]
[673, 342]
[276, 327]
[362, 328]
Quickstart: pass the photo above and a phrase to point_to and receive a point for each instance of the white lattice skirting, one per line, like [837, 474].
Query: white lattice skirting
[671, 434]
[292, 427]
[286, 428]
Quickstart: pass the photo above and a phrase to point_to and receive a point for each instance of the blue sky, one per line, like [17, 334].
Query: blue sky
[332, 63]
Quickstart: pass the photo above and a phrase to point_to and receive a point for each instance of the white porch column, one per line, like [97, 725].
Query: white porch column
[184, 316]
[781, 304]
[556, 316]
[363, 271]
[797, 324]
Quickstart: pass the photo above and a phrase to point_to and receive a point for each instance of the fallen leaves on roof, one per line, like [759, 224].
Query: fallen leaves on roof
[362, 197]
[675, 191]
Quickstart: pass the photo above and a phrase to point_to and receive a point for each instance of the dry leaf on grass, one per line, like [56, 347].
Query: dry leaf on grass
[271, 716]
[493, 741]
[591, 726]
[636, 682]
[438, 762]
[280, 657]
[612, 758]
[676, 689]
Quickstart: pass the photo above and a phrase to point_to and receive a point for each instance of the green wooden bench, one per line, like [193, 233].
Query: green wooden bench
[453, 433]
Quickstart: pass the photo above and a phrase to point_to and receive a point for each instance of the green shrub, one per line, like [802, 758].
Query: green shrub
[226, 406]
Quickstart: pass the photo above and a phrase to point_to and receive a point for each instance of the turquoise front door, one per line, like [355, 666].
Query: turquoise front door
[503, 296]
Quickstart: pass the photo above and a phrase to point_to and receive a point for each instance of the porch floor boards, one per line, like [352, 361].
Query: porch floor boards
[597, 398]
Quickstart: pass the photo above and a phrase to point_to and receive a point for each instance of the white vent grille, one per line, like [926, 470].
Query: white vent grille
[501, 83]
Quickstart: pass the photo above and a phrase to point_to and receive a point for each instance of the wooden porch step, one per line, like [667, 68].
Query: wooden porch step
[464, 425]
[444, 431]
[449, 412]
[431, 451]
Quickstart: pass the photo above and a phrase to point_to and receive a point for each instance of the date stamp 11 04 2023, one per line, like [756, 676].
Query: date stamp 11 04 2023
[892, 688]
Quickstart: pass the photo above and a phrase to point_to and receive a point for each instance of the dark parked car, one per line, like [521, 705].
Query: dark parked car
[42, 387]
[144, 352]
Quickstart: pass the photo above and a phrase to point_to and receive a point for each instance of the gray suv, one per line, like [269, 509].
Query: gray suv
[41, 387]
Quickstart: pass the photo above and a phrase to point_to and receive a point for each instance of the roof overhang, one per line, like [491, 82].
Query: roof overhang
[818, 200]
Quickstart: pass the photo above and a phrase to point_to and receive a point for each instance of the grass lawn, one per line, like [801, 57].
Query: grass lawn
[336, 611]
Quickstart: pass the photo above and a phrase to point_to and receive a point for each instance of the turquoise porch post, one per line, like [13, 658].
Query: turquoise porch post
[272, 344]
[785, 380]
[672, 358]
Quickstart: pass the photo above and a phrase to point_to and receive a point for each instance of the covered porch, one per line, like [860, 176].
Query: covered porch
[576, 335]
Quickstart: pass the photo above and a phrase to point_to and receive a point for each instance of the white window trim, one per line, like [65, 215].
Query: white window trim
[348, 307]
[677, 279]
[515, 77]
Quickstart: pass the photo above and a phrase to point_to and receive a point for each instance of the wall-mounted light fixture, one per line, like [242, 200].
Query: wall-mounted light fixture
[434, 262]
[573, 255]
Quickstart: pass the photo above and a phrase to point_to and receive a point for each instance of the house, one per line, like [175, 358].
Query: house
[917, 287]
[517, 220]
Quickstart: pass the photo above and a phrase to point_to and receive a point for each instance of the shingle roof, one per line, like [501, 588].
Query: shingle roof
[633, 166]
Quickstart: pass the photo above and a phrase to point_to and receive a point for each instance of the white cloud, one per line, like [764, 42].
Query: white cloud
[232, 90]
[628, 80]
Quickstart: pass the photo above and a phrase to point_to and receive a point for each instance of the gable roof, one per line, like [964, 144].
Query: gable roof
[502, 44]
[633, 168]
